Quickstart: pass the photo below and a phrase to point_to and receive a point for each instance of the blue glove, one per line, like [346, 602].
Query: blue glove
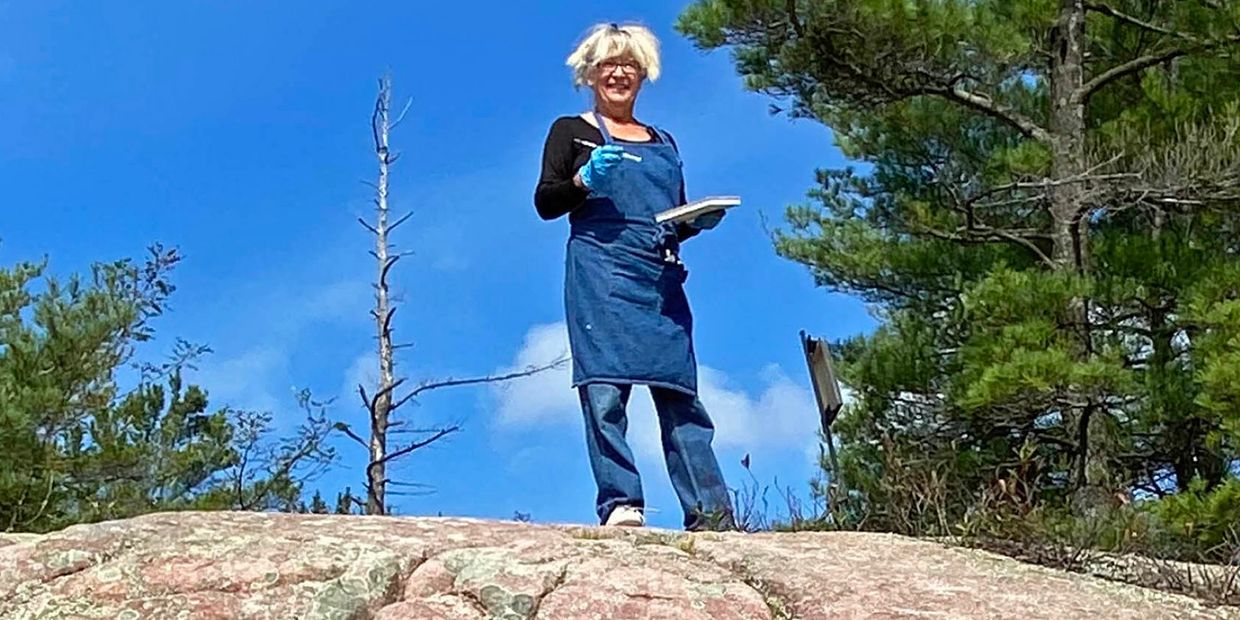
[602, 161]
[707, 221]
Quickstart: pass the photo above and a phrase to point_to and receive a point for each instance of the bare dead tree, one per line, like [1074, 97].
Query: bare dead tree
[383, 404]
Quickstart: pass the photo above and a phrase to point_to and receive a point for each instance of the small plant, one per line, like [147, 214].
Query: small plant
[750, 504]
[754, 513]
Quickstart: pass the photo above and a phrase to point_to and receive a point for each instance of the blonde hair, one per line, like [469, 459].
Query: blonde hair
[605, 41]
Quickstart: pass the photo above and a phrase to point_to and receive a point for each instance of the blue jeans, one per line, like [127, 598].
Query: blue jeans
[686, 432]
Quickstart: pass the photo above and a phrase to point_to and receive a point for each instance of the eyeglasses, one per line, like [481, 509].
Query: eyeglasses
[629, 67]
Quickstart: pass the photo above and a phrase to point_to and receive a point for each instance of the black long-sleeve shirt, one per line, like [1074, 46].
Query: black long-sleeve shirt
[563, 157]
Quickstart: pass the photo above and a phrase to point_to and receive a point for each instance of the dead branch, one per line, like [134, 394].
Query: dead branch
[47, 497]
[386, 391]
[400, 118]
[383, 274]
[422, 444]
[400, 221]
[367, 226]
[1199, 168]
[532, 370]
[347, 430]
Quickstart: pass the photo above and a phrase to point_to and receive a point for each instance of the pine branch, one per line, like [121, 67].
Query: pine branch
[990, 107]
[1135, 65]
[1142, 63]
[1136, 21]
[979, 234]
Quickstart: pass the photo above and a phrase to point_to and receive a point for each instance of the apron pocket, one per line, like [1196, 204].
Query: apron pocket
[633, 284]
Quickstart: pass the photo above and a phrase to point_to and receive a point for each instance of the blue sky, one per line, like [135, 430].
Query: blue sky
[237, 132]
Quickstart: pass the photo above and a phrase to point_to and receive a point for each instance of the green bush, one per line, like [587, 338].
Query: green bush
[1206, 519]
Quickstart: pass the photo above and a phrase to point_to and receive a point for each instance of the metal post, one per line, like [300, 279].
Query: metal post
[837, 480]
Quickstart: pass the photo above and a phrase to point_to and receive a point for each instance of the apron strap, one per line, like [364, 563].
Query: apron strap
[663, 137]
[602, 127]
[657, 135]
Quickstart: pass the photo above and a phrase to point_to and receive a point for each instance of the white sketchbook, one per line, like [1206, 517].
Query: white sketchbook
[688, 212]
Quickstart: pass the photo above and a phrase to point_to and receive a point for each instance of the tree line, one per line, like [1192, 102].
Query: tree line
[1045, 215]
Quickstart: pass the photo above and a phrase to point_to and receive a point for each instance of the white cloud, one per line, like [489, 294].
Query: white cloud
[444, 246]
[244, 381]
[257, 377]
[450, 262]
[782, 416]
[363, 371]
[544, 397]
[344, 299]
[779, 417]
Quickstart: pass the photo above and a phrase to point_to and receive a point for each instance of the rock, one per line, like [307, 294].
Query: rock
[320, 567]
[13, 539]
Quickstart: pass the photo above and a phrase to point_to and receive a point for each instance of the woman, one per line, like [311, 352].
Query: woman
[628, 319]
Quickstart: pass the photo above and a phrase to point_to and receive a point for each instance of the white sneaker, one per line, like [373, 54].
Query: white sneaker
[625, 516]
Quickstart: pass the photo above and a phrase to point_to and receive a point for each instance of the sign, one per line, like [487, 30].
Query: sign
[822, 375]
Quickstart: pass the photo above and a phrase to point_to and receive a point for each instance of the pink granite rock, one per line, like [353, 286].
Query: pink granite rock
[252, 566]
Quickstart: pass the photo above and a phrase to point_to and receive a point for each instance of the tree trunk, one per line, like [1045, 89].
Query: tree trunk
[381, 409]
[1067, 129]
[1069, 235]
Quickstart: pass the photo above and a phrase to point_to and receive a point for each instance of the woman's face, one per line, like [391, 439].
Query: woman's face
[617, 80]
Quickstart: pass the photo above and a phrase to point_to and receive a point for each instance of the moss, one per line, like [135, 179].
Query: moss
[780, 610]
[688, 544]
[664, 539]
[585, 533]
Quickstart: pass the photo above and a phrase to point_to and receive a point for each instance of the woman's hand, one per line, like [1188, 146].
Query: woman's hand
[602, 161]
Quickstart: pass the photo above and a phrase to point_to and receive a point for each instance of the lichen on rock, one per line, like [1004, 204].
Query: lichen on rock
[328, 567]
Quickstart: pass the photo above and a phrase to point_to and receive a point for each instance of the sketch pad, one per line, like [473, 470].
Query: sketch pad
[689, 212]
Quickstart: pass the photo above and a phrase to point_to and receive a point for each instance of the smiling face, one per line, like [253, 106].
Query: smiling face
[617, 80]
[614, 61]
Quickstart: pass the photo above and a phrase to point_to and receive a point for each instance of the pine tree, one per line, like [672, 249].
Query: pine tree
[77, 446]
[1045, 223]
[318, 505]
[347, 503]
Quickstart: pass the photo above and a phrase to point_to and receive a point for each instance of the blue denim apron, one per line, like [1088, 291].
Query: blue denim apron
[628, 317]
